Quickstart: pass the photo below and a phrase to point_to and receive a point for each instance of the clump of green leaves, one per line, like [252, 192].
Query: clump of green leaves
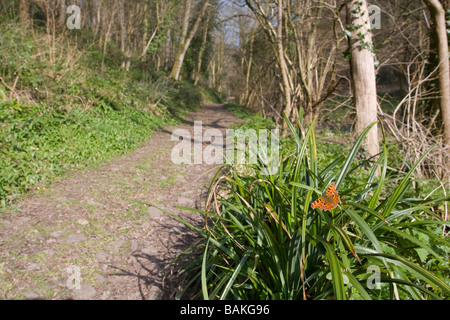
[251, 120]
[264, 241]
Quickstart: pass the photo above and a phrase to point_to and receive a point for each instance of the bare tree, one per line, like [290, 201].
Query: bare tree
[438, 15]
[62, 13]
[197, 71]
[275, 35]
[186, 37]
[161, 10]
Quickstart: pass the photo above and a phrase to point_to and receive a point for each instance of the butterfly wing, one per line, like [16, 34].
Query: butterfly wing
[319, 203]
[328, 201]
[331, 190]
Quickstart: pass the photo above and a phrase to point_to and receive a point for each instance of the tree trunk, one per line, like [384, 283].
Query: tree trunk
[107, 25]
[220, 62]
[62, 13]
[197, 73]
[98, 8]
[213, 73]
[363, 71]
[184, 44]
[167, 50]
[249, 67]
[283, 68]
[123, 33]
[24, 12]
[176, 69]
[438, 15]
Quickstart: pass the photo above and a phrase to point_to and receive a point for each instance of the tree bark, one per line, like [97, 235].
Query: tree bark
[123, 33]
[438, 15]
[167, 50]
[24, 12]
[363, 71]
[107, 25]
[197, 72]
[249, 66]
[98, 8]
[283, 68]
[186, 39]
[62, 13]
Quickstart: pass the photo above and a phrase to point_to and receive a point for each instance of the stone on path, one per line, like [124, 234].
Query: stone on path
[85, 292]
[75, 238]
[186, 202]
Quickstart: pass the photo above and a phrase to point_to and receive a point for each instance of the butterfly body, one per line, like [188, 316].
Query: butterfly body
[328, 201]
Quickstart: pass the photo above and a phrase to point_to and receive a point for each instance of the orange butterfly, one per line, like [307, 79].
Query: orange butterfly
[329, 200]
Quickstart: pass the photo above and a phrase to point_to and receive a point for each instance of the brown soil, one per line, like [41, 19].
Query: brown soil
[102, 223]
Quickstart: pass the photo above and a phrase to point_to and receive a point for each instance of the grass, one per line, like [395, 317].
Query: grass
[264, 241]
[251, 121]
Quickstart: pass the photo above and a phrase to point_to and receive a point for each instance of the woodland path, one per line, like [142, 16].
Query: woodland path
[100, 222]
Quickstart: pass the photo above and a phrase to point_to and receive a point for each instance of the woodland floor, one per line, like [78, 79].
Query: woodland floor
[100, 221]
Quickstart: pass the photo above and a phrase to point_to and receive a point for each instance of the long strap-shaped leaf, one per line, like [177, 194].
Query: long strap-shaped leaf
[353, 153]
[401, 187]
[365, 228]
[336, 273]
[235, 274]
[384, 160]
[203, 276]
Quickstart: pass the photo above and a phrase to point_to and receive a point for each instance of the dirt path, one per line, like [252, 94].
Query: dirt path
[96, 228]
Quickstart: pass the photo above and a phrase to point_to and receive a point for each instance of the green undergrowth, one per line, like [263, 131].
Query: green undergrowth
[210, 95]
[251, 120]
[79, 110]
